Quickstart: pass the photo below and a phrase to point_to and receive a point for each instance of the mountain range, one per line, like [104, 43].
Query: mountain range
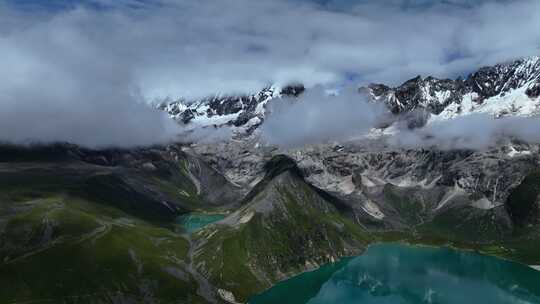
[505, 89]
[79, 225]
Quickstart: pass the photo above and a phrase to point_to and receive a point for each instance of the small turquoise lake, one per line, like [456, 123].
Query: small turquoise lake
[401, 274]
[192, 222]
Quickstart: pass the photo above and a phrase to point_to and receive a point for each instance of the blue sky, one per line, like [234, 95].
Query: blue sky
[52, 5]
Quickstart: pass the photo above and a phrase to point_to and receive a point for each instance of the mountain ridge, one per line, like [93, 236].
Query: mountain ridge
[510, 88]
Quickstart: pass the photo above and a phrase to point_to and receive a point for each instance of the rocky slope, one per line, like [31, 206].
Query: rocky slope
[86, 226]
[156, 175]
[484, 201]
[285, 226]
[368, 176]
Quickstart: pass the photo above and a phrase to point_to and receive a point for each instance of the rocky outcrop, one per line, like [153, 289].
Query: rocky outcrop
[434, 95]
[418, 93]
[534, 90]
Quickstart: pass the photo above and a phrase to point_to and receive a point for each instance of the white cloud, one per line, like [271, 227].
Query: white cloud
[86, 70]
[316, 117]
[477, 132]
[58, 85]
[184, 48]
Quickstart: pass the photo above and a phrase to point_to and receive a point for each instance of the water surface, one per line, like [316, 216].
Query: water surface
[192, 222]
[394, 274]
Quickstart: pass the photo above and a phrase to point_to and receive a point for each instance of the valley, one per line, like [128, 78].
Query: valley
[98, 246]
[224, 221]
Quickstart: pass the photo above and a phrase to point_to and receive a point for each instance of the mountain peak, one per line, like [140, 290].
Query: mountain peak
[493, 89]
[279, 164]
[510, 88]
[246, 111]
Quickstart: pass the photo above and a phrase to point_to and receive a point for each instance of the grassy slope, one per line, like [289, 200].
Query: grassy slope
[98, 229]
[64, 249]
[60, 246]
[484, 231]
[151, 174]
[299, 231]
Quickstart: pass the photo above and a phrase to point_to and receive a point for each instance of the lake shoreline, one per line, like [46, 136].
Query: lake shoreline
[451, 262]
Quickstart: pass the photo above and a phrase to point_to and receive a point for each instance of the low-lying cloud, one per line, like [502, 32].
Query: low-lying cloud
[475, 131]
[318, 117]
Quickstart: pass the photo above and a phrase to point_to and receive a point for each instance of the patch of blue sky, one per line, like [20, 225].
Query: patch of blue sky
[62, 5]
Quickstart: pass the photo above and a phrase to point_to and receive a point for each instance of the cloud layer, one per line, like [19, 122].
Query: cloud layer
[317, 117]
[475, 131]
[194, 48]
[60, 86]
[81, 74]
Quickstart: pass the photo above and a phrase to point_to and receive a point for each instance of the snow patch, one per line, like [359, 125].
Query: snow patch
[347, 186]
[514, 103]
[372, 209]
[367, 182]
[246, 218]
[485, 204]
[407, 182]
[450, 195]
[535, 267]
[515, 153]
[227, 296]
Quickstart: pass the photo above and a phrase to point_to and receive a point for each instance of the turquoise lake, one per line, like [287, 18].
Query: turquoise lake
[192, 222]
[395, 274]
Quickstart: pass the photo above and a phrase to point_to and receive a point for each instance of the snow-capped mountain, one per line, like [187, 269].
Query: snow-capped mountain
[504, 89]
[246, 111]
